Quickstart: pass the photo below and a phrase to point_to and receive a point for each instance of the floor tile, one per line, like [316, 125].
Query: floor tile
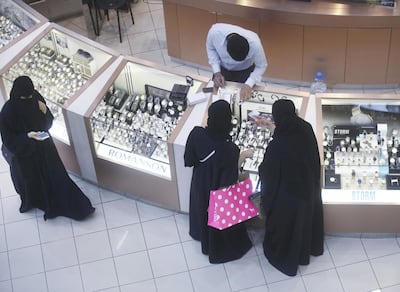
[182, 223]
[4, 267]
[7, 187]
[148, 212]
[293, 285]
[346, 251]
[143, 42]
[160, 232]
[144, 286]
[387, 269]
[127, 239]
[28, 228]
[175, 283]
[262, 288]
[134, 267]
[391, 289]
[94, 223]
[107, 195]
[99, 275]
[210, 279]
[55, 229]
[167, 260]
[3, 242]
[65, 280]
[350, 277]
[377, 247]
[26, 261]
[85, 247]
[6, 286]
[1, 213]
[158, 18]
[11, 210]
[329, 278]
[244, 273]
[143, 23]
[152, 56]
[162, 40]
[34, 283]
[59, 254]
[120, 212]
[194, 257]
[109, 41]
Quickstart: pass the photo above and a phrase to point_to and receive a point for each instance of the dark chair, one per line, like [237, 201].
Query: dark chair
[90, 7]
[112, 4]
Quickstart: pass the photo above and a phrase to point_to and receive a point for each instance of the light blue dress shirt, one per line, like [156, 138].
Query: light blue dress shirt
[218, 55]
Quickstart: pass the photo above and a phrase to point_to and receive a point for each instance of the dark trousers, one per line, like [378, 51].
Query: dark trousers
[237, 76]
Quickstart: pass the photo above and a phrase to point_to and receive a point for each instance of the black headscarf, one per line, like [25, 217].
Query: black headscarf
[220, 118]
[22, 86]
[237, 46]
[283, 112]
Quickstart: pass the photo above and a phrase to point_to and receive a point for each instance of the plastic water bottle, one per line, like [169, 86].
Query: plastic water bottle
[319, 84]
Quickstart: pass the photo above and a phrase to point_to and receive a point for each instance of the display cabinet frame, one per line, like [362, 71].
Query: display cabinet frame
[121, 170]
[63, 141]
[368, 205]
[27, 17]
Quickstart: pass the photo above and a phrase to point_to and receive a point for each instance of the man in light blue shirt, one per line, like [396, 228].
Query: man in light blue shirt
[235, 54]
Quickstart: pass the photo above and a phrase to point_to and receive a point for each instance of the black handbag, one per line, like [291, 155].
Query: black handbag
[7, 154]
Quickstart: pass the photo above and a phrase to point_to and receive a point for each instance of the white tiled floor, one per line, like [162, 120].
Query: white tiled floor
[131, 246]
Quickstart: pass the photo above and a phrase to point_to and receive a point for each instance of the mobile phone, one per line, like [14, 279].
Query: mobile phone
[42, 135]
[208, 89]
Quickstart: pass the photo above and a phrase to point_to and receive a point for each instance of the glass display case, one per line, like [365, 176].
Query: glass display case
[245, 133]
[60, 63]
[359, 148]
[16, 19]
[137, 114]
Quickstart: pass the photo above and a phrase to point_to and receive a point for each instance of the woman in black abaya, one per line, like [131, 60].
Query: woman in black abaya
[215, 159]
[291, 192]
[39, 175]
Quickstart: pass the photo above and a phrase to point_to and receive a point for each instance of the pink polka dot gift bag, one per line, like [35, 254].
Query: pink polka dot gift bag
[231, 205]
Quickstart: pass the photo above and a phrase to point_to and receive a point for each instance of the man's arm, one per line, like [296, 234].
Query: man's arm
[213, 57]
[260, 62]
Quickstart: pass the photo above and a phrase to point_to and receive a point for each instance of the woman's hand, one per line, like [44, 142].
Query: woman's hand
[42, 107]
[264, 123]
[248, 153]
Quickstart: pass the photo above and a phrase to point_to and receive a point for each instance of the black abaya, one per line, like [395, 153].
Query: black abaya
[215, 165]
[38, 173]
[291, 188]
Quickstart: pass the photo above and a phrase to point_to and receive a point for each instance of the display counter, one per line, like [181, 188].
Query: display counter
[359, 138]
[16, 21]
[353, 43]
[136, 110]
[61, 64]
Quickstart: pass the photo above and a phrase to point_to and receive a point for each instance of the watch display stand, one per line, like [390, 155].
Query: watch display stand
[16, 20]
[359, 143]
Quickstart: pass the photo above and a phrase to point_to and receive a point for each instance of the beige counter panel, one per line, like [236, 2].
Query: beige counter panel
[393, 72]
[367, 55]
[283, 46]
[361, 218]
[324, 50]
